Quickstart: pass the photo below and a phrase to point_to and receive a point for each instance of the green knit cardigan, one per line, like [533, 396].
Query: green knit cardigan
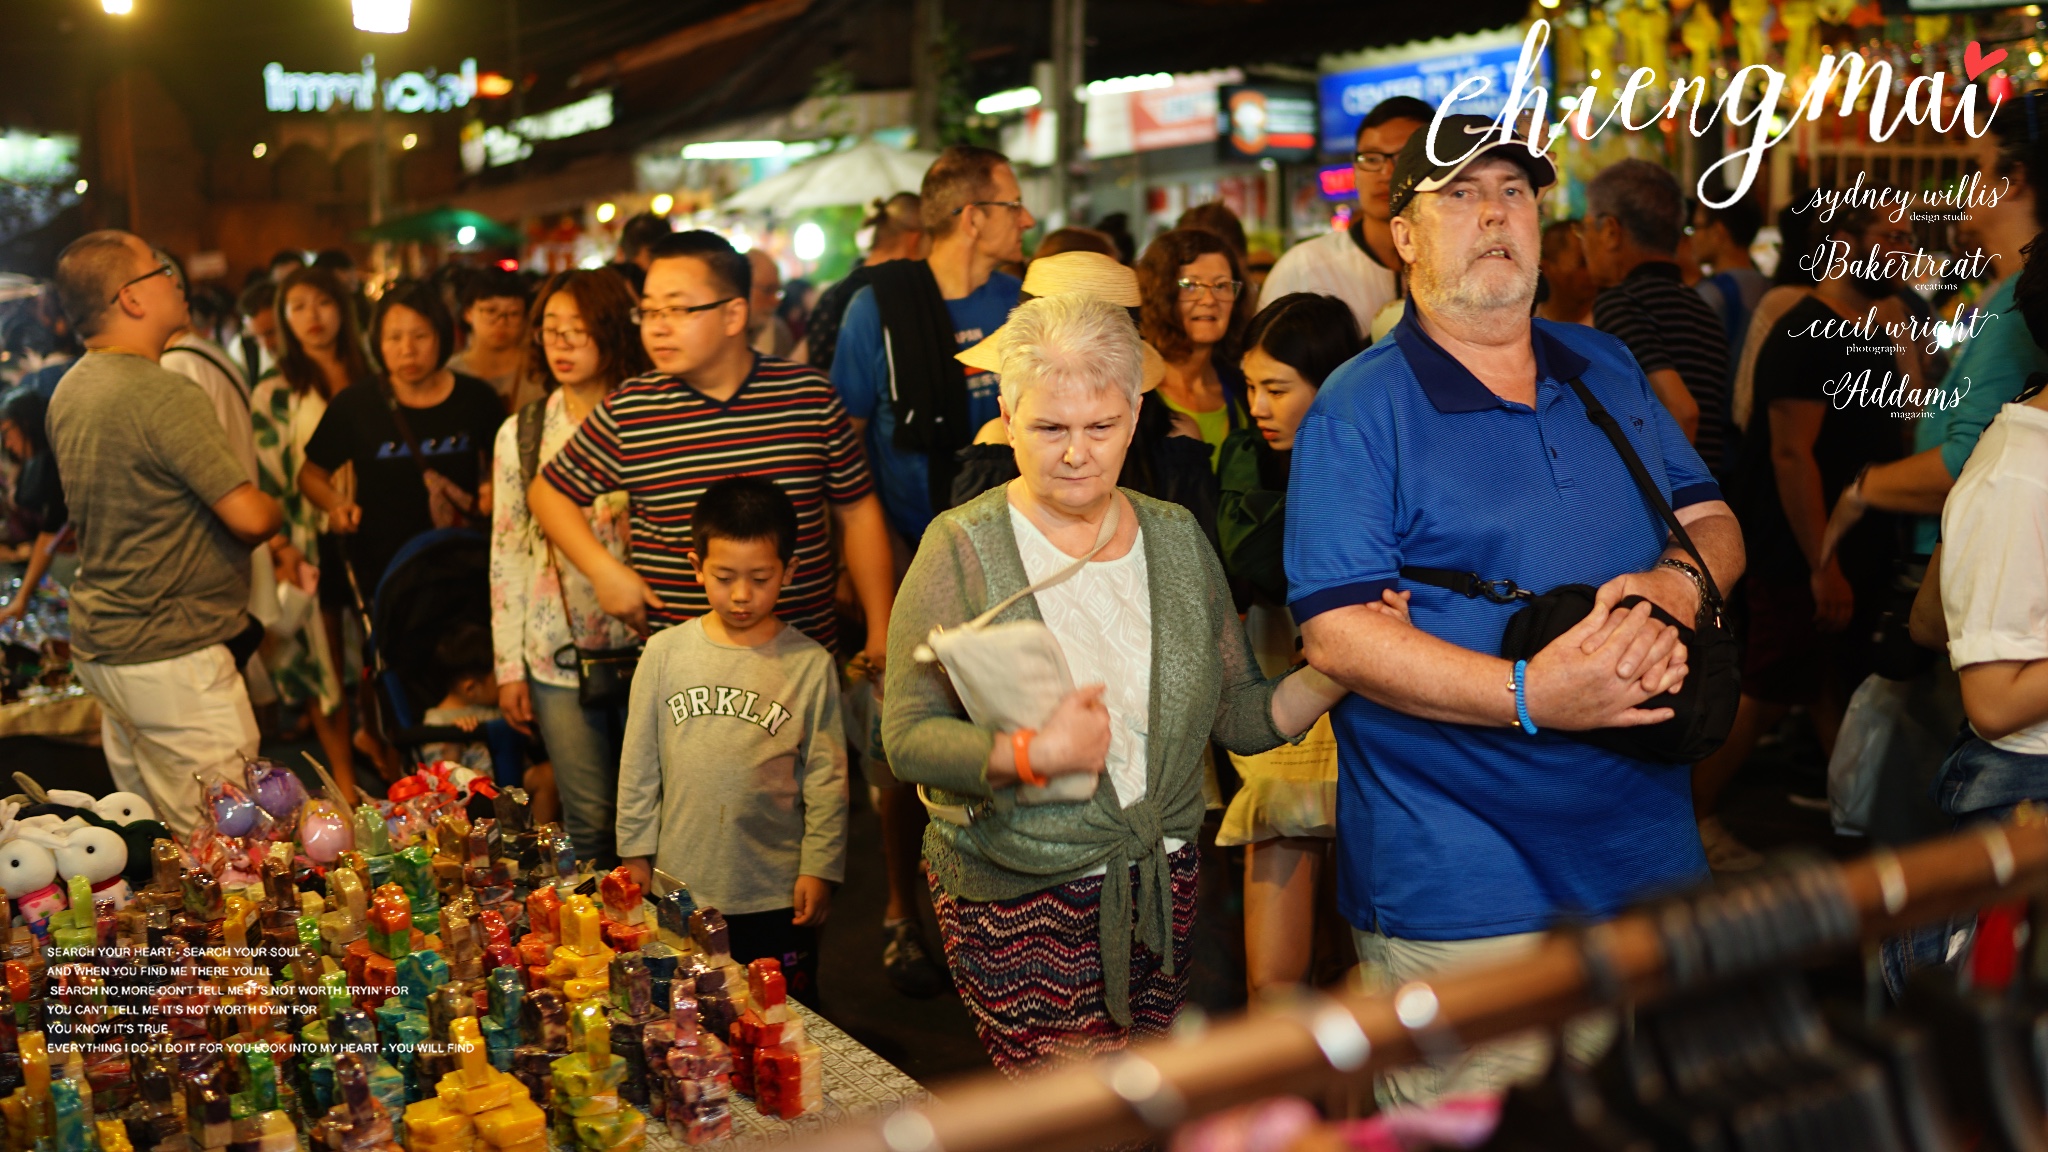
[1205, 684]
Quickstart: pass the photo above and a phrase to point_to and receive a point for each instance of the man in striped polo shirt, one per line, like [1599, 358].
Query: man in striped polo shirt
[715, 409]
[1634, 217]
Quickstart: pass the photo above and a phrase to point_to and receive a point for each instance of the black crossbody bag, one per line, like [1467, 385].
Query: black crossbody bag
[1704, 708]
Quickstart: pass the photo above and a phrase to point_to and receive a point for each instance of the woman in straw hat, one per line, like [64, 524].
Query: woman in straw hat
[1066, 924]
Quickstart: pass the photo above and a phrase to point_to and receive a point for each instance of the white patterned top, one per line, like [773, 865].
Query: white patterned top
[1102, 616]
[527, 625]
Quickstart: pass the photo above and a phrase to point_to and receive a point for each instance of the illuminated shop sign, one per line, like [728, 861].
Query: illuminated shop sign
[495, 147]
[428, 91]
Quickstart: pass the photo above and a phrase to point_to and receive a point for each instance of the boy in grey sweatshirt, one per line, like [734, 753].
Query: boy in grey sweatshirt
[734, 771]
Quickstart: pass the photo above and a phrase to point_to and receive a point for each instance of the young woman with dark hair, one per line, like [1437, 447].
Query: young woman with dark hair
[1285, 814]
[419, 437]
[584, 345]
[321, 354]
[1195, 309]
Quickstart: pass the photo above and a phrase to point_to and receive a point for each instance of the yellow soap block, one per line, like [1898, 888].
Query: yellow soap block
[515, 1124]
[430, 1123]
[571, 965]
[593, 988]
[114, 1136]
[470, 1099]
[599, 1104]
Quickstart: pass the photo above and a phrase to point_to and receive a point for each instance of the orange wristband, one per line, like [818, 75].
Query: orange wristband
[1020, 752]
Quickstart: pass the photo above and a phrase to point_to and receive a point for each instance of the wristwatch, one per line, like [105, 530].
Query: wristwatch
[1699, 584]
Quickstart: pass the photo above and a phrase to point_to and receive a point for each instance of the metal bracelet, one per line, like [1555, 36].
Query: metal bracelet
[910, 1132]
[1139, 1084]
[1335, 1030]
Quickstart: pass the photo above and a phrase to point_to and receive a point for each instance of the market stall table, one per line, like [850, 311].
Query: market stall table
[858, 1083]
[68, 715]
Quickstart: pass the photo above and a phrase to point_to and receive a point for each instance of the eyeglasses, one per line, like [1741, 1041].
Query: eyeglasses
[1012, 205]
[673, 312]
[1375, 161]
[165, 269]
[1221, 289]
[563, 337]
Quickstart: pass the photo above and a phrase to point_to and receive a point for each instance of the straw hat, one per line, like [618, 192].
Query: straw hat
[1077, 273]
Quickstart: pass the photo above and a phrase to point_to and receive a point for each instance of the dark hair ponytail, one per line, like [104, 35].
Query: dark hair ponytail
[1309, 333]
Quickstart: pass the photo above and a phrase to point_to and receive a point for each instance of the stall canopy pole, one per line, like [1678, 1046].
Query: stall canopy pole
[927, 68]
[1306, 1046]
[1069, 71]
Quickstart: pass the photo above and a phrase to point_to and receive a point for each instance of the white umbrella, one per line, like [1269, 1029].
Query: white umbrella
[858, 175]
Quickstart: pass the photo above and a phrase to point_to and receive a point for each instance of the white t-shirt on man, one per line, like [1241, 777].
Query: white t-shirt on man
[1994, 554]
[1334, 264]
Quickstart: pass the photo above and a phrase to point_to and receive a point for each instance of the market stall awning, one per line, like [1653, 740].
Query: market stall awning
[442, 224]
[856, 176]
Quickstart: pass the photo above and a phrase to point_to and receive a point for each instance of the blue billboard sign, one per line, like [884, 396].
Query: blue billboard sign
[1348, 96]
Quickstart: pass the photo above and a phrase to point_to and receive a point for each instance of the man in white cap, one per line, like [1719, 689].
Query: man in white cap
[1469, 818]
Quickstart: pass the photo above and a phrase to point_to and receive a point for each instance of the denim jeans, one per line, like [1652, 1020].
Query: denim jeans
[1979, 783]
[584, 746]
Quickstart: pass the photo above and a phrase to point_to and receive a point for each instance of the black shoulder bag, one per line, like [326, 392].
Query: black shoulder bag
[1704, 709]
[604, 676]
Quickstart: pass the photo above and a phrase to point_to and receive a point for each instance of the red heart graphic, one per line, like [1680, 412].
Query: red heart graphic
[1975, 61]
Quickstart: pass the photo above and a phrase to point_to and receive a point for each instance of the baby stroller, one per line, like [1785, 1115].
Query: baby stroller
[438, 580]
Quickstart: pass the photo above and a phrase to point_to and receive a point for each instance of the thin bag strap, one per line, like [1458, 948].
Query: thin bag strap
[1605, 421]
[562, 590]
[1102, 539]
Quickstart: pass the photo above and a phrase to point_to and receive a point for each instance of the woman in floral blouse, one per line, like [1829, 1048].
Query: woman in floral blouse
[585, 344]
[322, 355]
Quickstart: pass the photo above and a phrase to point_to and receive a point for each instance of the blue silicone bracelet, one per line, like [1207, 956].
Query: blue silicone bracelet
[1522, 697]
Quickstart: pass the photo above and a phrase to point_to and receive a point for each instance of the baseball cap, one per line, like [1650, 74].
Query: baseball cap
[1415, 172]
[1081, 274]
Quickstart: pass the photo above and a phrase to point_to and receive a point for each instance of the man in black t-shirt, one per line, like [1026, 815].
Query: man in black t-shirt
[1824, 379]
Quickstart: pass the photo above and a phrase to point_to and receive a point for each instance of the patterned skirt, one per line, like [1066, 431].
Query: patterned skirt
[1029, 970]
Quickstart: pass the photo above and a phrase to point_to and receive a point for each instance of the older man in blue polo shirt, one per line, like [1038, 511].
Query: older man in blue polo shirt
[1464, 829]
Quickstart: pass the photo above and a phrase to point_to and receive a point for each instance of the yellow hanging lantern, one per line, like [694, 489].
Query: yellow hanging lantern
[1598, 42]
[1751, 44]
[1930, 29]
[1653, 32]
[1702, 35]
[1801, 38]
[1835, 11]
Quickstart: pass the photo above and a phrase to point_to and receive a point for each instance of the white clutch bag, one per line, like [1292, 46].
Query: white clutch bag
[1012, 676]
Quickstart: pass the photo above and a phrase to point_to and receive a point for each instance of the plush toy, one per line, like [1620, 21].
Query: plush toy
[128, 815]
[98, 854]
[28, 872]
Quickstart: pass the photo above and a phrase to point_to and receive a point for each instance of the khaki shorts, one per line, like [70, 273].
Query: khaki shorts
[1385, 963]
[862, 713]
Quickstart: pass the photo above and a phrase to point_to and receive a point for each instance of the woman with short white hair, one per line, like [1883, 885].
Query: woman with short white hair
[1053, 962]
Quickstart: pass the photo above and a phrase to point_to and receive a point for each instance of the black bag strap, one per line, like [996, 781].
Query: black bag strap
[532, 416]
[1605, 421]
[1504, 591]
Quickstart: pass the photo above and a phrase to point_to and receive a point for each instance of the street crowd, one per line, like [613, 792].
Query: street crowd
[1277, 544]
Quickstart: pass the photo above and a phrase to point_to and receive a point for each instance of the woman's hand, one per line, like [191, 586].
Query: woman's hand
[1075, 738]
[344, 518]
[1834, 601]
[1849, 509]
[515, 700]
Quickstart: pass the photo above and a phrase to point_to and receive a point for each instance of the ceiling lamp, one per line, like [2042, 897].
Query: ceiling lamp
[383, 15]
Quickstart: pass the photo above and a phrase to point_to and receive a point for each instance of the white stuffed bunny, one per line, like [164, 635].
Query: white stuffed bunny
[28, 869]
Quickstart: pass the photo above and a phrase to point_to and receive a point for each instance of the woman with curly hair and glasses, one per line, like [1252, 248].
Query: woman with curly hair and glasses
[584, 345]
[1195, 309]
